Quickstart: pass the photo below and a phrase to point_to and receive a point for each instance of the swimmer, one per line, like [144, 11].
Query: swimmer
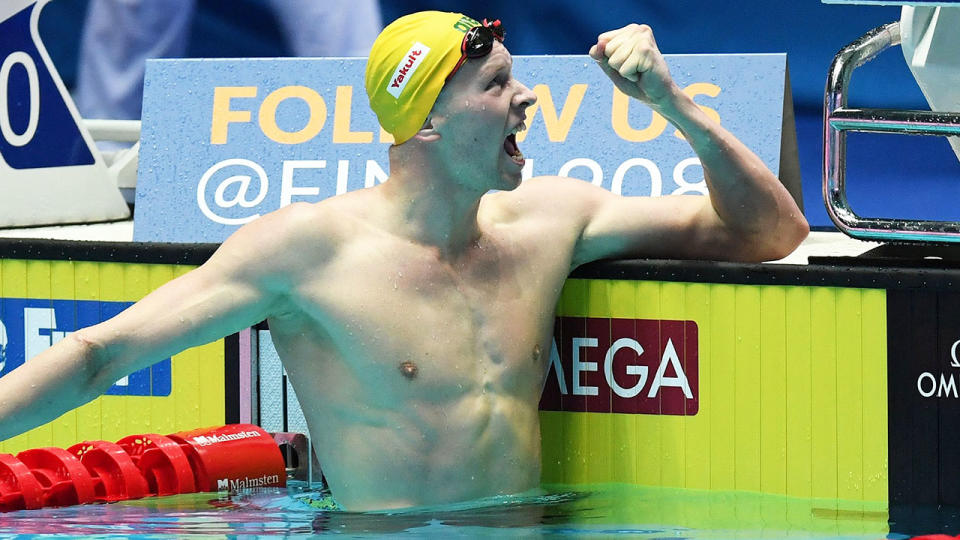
[407, 314]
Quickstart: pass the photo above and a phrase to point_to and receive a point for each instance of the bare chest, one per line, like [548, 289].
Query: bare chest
[404, 321]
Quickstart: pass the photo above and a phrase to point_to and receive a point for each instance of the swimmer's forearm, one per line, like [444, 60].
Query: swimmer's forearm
[745, 194]
[57, 380]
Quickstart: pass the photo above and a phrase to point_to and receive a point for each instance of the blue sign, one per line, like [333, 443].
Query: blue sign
[225, 141]
[31, 136]
[29, 326]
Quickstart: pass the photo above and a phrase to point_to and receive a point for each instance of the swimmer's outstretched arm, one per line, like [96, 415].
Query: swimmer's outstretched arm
[749, 215]
[239, 286]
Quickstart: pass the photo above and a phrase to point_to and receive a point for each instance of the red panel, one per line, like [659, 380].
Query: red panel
[594, 379]
[550, 399]
[622, 401]
[572, 328]
[643, 346]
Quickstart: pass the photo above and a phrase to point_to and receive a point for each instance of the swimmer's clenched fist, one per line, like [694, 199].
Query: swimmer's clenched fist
[630, 57]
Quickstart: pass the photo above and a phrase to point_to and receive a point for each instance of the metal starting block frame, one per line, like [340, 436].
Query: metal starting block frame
[839, 119]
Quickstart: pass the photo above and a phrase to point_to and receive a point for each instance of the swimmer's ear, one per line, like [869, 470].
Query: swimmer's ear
[428, 132]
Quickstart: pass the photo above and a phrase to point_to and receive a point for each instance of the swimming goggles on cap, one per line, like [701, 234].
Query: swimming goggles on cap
[478, 42]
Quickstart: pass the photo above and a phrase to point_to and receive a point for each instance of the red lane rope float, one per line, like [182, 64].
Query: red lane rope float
[19, 489]
[162, 462]
[223, 458]
[116, 477]
[232, 457]
[65, 480]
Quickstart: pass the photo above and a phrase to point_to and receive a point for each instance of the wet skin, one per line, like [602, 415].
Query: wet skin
[423, 374]
[414, 317]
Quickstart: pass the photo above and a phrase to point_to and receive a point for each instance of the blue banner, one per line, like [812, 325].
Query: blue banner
[37, 129]
[29, 326]
[225, 141]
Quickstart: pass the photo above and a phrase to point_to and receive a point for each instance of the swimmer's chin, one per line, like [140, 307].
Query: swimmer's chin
[509, 181]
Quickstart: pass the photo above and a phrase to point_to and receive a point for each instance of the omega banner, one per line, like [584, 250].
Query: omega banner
[225, 141]
[640, 366]
[924, 397]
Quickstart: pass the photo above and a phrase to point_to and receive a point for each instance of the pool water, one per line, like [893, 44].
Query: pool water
[624, 511]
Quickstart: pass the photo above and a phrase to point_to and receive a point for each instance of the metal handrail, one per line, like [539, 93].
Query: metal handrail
[838, 119]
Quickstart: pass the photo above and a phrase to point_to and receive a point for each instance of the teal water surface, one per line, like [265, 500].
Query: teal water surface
[597, 511]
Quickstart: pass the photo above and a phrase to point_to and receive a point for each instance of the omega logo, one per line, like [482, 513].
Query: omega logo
[946, 386]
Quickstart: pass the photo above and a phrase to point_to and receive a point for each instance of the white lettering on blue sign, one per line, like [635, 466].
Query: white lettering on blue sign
[3, 346]
[33, 86]
[30, 326]
[39, 330]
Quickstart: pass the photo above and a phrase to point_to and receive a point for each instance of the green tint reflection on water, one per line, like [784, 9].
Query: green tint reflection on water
[711, 514]
[562, 510]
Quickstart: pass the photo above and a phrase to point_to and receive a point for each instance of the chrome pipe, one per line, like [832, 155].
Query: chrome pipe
[838, 119]
[896, 121]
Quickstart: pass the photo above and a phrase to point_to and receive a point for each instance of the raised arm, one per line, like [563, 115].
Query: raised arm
[241, 284]
[748, 216]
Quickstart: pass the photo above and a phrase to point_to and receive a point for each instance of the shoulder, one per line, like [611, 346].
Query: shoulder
[298, 236]
[288, 226]
[572, 191]
[554, 197]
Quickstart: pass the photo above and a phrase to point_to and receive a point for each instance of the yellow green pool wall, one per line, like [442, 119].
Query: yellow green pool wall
[793, 394]
[197, 397]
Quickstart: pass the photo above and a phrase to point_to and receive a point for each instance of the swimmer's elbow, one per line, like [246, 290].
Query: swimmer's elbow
[781, 242]
[91, 349]
[794, 231]
[94, 359]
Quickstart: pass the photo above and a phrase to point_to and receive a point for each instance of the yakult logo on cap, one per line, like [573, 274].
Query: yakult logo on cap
[409, 64]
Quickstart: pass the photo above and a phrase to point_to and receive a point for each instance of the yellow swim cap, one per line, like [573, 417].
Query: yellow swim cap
[408, 65]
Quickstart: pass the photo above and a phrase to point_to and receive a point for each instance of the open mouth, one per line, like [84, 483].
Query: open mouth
[512, 150]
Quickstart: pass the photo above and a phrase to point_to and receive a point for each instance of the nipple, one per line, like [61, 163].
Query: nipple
[408, 369]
